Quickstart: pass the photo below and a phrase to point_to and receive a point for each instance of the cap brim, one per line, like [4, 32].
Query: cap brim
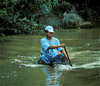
[52, 31]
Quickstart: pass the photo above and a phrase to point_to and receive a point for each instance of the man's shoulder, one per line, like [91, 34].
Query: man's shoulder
[54, 38]
[43, 39]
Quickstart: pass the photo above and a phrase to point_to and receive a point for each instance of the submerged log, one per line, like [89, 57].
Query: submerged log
[86, 25]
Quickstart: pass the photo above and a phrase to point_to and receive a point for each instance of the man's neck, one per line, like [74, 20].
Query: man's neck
[49, 38]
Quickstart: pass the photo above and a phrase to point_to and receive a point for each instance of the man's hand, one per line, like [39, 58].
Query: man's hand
[68, 59]
[62, 45]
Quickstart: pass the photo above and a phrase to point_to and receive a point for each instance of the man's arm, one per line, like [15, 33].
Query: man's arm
[56, 46]
[63, 51]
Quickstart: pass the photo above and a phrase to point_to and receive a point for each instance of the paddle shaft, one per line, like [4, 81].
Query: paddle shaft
[68, 57]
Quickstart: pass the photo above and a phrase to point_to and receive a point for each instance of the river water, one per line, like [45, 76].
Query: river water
[19, 55]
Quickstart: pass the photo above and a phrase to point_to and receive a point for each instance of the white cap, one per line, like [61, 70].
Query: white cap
[49, 28]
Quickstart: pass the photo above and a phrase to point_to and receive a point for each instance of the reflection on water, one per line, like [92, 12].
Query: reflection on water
[19, 55]
[52, 77]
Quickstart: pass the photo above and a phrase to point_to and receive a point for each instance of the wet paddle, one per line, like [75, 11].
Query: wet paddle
[68, 57]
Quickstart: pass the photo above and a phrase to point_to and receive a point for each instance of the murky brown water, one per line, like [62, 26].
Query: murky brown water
[19, 55]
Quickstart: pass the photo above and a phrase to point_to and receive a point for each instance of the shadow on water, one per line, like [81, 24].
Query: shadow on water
[3, 58]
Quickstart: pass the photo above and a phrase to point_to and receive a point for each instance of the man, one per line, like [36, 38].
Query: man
[50, 48]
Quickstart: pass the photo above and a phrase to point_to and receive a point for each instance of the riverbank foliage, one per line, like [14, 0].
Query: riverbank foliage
[31, 16]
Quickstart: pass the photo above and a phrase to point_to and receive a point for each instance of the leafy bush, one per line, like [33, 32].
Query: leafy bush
[31, 16]
[20, 16]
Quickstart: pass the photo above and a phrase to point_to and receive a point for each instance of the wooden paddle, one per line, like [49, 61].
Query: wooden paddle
[68, 57]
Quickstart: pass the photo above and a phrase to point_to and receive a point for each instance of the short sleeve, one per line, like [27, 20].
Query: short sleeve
[44, 44]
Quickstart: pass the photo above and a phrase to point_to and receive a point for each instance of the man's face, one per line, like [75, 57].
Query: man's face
[49, 34]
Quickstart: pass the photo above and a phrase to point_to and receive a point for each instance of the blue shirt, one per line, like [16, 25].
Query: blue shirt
[45, 43]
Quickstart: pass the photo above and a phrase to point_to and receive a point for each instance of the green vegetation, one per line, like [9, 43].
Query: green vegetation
[31, 16]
